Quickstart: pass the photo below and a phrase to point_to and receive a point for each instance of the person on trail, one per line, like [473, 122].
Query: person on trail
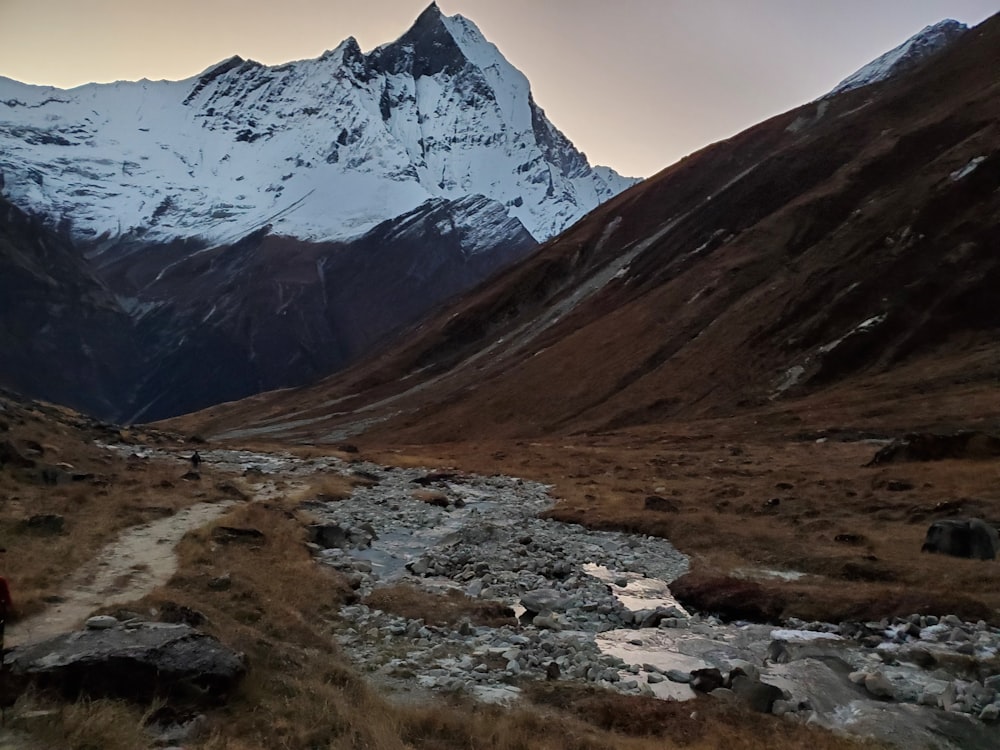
[6, 605]
[195, 461]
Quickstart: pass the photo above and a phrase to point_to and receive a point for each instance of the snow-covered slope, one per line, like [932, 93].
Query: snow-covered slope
[911, 52]
[319, 149]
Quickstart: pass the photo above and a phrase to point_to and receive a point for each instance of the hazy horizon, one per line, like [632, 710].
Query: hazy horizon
[636, 84]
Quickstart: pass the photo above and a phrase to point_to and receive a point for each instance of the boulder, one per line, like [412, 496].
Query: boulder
[142, 662]
[879, 685]
[676, 675]
[101, 622]
[661, 504]
[970, 537]
[931, 447]
[329, 535]
[544, 600]
[756, 695]
[707, 680]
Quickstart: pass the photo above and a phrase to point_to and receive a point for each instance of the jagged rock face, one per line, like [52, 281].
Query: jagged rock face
[254, 227]
[190, 328]
[906, 56]
[62, 331]
[840, 255]
[271, 312]
[321, 150]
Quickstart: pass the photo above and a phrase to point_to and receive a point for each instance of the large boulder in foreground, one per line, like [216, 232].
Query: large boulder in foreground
[139, 662]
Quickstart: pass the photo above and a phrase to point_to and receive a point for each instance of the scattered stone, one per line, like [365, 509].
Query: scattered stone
[431, 497]
[879, 685]
[544, 600]
[101, 622]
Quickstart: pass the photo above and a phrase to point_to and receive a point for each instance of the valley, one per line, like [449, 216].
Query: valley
[370, 414]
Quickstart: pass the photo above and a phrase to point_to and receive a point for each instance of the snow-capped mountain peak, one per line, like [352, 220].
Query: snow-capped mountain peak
[913, 51]
[317, 149]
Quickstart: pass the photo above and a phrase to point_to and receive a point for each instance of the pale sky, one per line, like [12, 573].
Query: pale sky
[636, 84]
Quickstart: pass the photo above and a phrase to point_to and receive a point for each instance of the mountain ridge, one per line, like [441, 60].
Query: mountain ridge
[844, 242]
[439, 113]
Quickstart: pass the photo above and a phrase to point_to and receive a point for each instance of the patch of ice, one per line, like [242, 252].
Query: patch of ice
[639, 593]
[768, 574]
[783, 634]
[792, 377]
[972, 166]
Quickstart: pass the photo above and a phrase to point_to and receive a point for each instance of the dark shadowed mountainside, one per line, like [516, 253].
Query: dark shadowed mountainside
[837, 261]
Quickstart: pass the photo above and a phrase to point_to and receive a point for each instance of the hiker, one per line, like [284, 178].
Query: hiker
[6, 606]
[195, 461]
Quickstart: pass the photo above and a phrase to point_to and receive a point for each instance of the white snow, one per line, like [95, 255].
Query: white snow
[972, 166]
[783, 634]
[319, 149]
[916, 48]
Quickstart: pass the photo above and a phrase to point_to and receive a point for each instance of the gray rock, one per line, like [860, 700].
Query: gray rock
[544, 600]
[676, 675]
[101, 622]
[932, 692]
[653, 678]
[548, 621]
[879, 685]
[741, 666]
[782, 707]
[419, 567]
[948, 697]
[142, 663]
[990, 713]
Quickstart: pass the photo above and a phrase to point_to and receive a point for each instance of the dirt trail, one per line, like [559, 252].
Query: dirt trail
[127, 569]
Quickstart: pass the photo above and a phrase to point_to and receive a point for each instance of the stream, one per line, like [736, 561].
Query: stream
[596, 607]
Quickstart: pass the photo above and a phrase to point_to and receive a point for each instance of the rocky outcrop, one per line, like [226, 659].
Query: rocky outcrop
[936, 447]
[135, 661]
[970, 537]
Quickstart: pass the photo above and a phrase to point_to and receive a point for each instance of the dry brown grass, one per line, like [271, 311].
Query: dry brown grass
[721, 476]
[703, 723]
[114, 494]
[446, 609]
[84, 725]
[301, 694]
[324, 488]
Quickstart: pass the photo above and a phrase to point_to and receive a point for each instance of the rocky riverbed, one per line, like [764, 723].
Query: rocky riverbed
[595, 607]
